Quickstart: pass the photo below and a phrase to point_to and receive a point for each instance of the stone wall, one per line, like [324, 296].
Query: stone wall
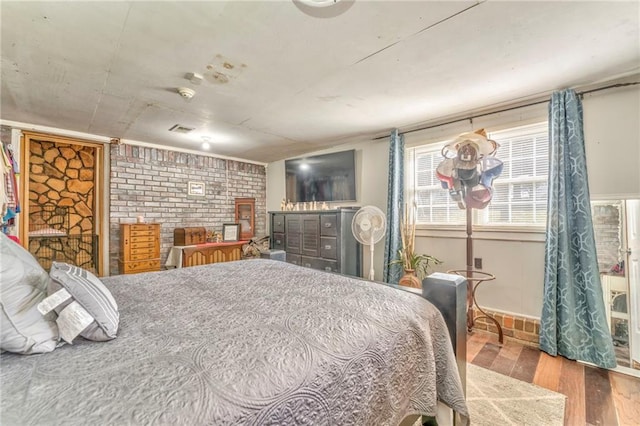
[61, 203]
[153, 182]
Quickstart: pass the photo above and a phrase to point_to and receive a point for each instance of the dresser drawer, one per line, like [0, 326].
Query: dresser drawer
[146, 233]
[328, 248]
[148, 251]
[293, 258]
[143, 255]
[143, 227]
[278, 223]
[137, 244]
[317, 263]
[278, 241]
[150, 239]
[328, 224]
[139, 266]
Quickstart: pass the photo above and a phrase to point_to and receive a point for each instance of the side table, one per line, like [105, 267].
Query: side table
[474, 279]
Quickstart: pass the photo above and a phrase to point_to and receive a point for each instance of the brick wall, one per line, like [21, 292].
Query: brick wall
[153, 183]
[524, 330]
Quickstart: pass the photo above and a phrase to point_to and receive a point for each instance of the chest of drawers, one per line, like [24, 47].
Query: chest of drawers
[318, 239]
[139, 247]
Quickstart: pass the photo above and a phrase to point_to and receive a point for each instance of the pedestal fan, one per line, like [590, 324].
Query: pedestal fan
[368, 226]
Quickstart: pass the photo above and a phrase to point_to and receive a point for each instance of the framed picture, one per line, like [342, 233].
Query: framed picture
[196, 189]
[230, 231]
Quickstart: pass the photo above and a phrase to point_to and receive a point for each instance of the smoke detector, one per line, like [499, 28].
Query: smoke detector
[186, 93]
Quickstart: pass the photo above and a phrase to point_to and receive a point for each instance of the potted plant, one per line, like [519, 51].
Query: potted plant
[415, 265]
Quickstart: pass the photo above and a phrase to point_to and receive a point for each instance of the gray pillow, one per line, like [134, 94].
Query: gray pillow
[23, 284]
[88, 291]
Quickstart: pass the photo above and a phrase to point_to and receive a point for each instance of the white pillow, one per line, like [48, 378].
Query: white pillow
[23, 284]
[91, 302]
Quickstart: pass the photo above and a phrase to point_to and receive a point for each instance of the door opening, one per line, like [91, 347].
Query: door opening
[62, 189]
[615, 224]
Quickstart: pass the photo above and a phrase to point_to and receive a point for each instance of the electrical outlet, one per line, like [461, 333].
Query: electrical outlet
[477, 262]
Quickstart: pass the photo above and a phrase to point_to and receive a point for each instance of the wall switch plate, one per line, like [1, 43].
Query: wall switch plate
[477, 262]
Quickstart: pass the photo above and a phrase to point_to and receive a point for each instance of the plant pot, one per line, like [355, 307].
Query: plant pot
[409, 279]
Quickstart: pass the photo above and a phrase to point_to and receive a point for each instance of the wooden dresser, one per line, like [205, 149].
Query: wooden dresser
[139, 247]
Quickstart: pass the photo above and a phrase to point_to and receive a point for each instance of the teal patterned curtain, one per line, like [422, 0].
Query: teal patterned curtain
[395, 203]
[573, 322]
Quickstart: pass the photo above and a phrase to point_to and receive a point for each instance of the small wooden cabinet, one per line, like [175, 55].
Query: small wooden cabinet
[245, 217]
[139, 247]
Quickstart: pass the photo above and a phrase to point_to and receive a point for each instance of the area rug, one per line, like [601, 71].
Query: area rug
[496, 399]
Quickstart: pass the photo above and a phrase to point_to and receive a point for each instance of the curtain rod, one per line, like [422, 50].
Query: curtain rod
[612, 86]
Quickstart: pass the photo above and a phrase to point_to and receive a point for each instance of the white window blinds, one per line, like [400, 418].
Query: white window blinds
[520, 192]
[434, 205]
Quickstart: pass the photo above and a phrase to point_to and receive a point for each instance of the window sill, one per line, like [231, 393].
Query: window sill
[494, 233]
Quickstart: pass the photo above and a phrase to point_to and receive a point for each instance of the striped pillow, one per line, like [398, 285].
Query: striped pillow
[88, 291]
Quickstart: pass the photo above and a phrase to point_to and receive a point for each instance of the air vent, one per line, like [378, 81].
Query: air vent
[179, 128]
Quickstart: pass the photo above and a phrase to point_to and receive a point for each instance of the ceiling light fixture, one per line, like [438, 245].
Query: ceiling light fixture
[319, 3]
[323, 8]
[205, 142]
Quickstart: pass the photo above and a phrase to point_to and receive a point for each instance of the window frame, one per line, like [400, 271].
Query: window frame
[520, 231]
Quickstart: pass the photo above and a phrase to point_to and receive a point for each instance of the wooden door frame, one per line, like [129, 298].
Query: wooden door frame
[98, 178]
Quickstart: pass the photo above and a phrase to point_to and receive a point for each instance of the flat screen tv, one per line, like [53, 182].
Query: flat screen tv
[328, 177]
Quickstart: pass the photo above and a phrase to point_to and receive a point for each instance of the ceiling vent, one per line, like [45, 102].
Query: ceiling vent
[179, 128]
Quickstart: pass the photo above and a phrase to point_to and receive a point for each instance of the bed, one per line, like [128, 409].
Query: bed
[257, 342]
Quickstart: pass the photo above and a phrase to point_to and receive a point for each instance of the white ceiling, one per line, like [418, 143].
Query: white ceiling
[290, 83]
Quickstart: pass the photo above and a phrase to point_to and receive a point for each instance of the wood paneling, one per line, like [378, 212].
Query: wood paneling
[598, 401]
[572, 385]
[507, 358]
[626, 398]
[475, 344]
[548, 372]
[525, 368]
[487, 355]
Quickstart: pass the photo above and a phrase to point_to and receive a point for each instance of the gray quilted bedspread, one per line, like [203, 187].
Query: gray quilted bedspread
[256, 342]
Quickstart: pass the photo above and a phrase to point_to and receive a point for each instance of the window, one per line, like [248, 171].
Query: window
[520, 192]
[434, 205]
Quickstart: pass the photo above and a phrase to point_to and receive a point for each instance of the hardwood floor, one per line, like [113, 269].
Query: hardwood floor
[594, 396]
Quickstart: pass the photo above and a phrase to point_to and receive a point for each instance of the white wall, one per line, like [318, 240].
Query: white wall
[612, 136]
[371, 186]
